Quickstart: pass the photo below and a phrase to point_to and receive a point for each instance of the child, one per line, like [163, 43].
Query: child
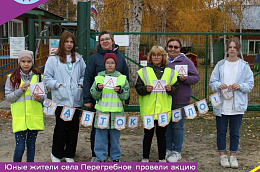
[26, 109]
[64, 75]
[109, 101]
[235, 74]
[152, 102]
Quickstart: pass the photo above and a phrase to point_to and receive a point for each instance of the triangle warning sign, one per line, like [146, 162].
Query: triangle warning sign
[159, 87]
[110, 83]
[182, 71]
[38, 90]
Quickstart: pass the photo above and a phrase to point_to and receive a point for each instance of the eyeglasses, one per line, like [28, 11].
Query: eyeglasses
[110, 63]
[175, 47]
[156, 55]
[105, 39]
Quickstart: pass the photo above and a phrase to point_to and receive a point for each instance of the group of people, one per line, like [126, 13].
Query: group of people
[73, 83]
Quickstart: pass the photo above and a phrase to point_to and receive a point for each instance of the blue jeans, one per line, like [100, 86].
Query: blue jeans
[234, 122]
[175, 132]
[101, 144]
[28, 136]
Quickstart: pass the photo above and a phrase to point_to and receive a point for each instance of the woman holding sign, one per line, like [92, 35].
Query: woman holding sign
[231, 76]
[156, 84]
[26, 109]
[188, 75]
[64, 74]
[110, 89]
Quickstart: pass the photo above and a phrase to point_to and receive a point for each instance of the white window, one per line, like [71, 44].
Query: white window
[15, 28]
[253, 46]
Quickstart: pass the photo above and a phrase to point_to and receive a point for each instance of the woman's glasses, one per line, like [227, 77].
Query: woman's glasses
[156, 55]
[105, 39]
[175, 47]
[110, 63]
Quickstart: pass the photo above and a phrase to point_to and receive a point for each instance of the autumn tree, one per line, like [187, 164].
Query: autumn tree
[64, 8]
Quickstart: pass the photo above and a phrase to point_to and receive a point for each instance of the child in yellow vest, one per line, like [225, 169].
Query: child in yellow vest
[26, 109]
[111, 103]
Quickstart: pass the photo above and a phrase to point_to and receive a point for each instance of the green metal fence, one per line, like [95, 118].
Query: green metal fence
[199, 44]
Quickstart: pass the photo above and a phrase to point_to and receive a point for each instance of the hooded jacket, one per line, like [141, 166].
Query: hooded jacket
[56, 73]
[245, 79]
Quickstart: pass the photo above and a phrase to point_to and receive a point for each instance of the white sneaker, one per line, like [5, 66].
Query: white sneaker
[145, 160]
[233, 162]
[163, 160]
[175, 157]
[168, 153]
[69, 159]
[54, 159]
[94, 159]
[224, 161]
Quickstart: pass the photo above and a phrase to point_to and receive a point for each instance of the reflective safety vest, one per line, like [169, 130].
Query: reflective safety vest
[110, 102]
[157, 101]
[26, 112]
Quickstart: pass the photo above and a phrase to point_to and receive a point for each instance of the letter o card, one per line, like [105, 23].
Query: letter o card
[148, 121]
[103, 120]
[163, 119]
[132, 121]
[87, 118]
[119, 122]
[215, 99]
[67, 113]
[190, 111]
[202, 106]
[176, 115]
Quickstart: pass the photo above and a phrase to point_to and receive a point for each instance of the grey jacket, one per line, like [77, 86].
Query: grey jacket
[56, 73]
[245, 79]
[11, 94]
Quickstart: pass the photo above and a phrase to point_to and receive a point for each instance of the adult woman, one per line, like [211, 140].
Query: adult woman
[235, 75]
[152, 102]
[64, 75]
[106, 44]
[175, 130]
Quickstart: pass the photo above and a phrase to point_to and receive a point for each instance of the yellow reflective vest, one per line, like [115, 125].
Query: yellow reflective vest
[157, 101]
[110, 102]
[27, 113]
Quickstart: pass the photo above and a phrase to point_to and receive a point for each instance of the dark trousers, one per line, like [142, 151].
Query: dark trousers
[161, 141]
[65, 135]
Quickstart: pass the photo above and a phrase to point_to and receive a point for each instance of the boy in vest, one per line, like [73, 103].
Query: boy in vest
[110, 95]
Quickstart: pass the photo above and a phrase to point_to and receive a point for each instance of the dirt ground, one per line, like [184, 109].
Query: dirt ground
[199, 144]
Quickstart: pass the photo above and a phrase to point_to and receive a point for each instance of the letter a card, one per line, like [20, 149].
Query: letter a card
[215, 99]
[102, 120]
[202, 106]
[133, 121]
[49, 107]
[176, 115]
[163, 119]
[119, 122]
[87, 118]
[67, 113]
[190, 111]
[148, 121]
